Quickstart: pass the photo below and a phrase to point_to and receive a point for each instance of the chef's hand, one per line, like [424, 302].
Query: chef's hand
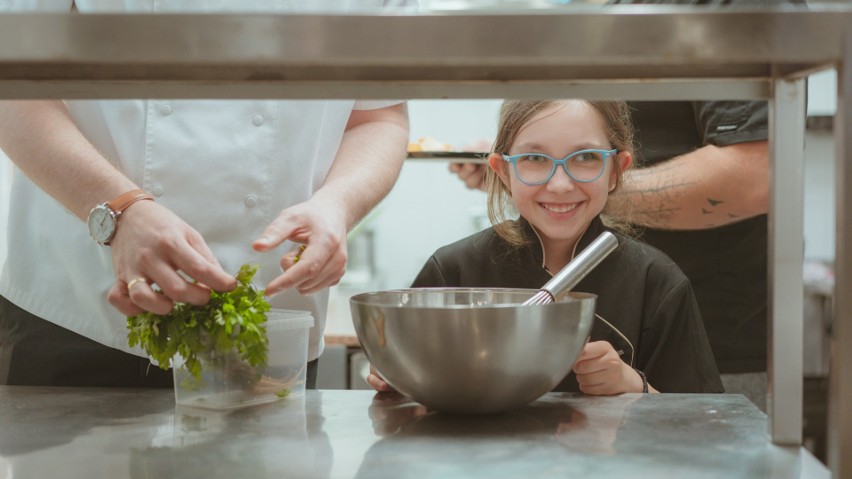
[472, 174]
[321, 227]
[601, 372]
[377, 382]
[150, 246]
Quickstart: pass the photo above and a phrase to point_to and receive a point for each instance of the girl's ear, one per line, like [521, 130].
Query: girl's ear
[624, 160]
[499, 166]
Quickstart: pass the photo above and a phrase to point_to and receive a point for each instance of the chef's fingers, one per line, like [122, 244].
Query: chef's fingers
[162, 260]
[174, 286]
[320, 265]
[472, 174]
[281, 229]
[141, 292]
[296, 267]
[475, 177]
[292, 257]
[199, 263]
[119, 299]
[328, 275]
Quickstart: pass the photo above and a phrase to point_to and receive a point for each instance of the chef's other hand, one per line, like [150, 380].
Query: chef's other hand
[321, 227]
[377, 382]
[150, 246]
[472, 174]
[601, 372]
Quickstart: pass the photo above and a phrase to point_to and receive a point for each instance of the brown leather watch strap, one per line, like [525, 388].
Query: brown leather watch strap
[124, 200]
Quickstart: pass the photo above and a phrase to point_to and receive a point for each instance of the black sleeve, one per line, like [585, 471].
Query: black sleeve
[430, 275]
[723, 123]
[673, 349]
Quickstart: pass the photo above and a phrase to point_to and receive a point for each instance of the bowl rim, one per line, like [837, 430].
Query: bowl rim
[366, 297]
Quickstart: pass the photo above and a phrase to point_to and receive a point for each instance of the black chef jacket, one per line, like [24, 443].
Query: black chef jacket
[645, 304]
[727, 266]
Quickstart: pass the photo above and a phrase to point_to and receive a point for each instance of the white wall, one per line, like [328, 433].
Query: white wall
[429, 207]
[819, 171]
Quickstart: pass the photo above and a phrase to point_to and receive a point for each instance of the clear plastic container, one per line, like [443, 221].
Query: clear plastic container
[228, 382]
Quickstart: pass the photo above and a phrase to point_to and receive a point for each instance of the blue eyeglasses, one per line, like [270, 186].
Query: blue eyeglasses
[537, 168]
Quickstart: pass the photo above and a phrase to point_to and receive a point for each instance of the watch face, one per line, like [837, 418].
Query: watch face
[101, 224]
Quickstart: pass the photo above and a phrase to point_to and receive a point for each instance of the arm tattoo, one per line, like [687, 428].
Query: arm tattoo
[657, 205]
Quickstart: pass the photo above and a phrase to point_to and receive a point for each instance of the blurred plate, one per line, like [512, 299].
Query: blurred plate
[463, 156]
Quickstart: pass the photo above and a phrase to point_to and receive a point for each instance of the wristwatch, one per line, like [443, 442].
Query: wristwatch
[103, 218]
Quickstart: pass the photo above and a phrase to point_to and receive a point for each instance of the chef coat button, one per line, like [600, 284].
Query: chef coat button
[165, 110]
[157, 190]
[257, 120]
[251, 201]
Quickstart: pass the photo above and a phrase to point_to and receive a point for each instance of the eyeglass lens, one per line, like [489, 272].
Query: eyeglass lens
[584, 166]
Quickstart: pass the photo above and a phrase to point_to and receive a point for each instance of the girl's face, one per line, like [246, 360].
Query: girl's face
[561, 209]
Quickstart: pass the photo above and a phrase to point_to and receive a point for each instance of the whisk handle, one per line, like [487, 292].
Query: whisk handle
[582, 264]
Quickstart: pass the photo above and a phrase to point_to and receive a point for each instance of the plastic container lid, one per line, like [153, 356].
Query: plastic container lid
[283, 319]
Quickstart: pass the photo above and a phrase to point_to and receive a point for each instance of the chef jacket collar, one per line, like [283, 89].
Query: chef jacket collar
[595, 228]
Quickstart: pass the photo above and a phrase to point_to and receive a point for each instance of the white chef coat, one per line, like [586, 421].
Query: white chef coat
[226, 167]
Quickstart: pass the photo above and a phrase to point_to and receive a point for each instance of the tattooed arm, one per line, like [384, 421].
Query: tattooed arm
[709, 187]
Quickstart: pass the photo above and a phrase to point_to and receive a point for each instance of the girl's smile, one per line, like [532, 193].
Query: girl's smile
[560, 210]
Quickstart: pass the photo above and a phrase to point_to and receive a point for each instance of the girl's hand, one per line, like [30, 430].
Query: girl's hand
[601, 372]
[377, 383]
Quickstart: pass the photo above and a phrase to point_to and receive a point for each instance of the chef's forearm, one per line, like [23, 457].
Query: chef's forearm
[368, 162]
[709, 187]
[44, 143]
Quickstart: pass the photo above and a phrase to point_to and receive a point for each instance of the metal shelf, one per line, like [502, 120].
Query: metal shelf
[635, 51]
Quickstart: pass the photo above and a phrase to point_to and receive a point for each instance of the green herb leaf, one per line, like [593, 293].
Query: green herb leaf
[232, 321]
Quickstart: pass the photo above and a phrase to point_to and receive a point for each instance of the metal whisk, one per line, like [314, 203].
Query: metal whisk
[576, 269]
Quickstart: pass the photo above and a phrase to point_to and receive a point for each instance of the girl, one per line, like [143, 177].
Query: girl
[555, 163]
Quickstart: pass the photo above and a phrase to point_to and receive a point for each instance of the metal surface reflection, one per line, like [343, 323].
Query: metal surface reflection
[272, 440]
[69, 432]
[587, 427]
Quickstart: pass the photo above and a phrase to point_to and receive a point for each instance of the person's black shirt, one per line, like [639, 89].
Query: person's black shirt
[726, 265]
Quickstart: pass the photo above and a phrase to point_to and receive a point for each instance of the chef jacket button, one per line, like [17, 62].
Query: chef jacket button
[158, 190]
[257, 120]
[251, 201]
[165, 110]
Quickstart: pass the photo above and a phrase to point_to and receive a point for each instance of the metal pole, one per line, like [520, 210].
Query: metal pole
[786, 254]
[840, 375]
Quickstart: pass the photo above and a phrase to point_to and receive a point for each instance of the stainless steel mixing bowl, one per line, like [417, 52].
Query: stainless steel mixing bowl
[471, 350]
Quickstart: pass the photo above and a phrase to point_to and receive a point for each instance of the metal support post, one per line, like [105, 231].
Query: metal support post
[786, 258]
[840, 374]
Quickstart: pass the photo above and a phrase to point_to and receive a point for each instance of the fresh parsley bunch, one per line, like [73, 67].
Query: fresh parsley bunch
[232, 321]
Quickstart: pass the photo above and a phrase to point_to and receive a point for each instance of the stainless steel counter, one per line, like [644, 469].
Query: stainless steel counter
[70, 432]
